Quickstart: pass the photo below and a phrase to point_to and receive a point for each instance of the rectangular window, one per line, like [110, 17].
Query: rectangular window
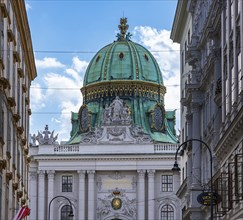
[240, 76]
[0, 194]
[9, 132]
[232, 14]
[233, 86]
[167, 183]
[1, 38]
[67, 183]
[182, 62]
[7, 202]
[1, 116]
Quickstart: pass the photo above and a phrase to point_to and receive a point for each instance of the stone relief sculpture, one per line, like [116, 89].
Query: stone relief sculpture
[116, 113]
[45, 137]
[105, 210]
[116, 126]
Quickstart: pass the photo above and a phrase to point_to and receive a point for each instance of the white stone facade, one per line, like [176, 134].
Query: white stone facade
[17, 70]
[100, 173]
[211, 39]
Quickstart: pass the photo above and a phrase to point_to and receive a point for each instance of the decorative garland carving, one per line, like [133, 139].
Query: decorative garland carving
[123, 87]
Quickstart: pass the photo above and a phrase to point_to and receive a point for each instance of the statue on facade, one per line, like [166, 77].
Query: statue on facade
[45, 137]
[117, 113]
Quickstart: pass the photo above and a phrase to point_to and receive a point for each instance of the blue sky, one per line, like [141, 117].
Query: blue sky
[66, 34]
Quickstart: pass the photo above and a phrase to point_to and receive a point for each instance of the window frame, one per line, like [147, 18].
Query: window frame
[167, 209]
[67, 184]
[167, 183]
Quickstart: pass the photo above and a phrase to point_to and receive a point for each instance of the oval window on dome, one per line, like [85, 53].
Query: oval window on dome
[146, 57]
[84, 118]
[121, 56]
[158, 117]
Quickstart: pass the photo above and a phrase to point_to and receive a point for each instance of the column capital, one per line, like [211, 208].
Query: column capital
[90, 172]
[81, 173]
[33, 175]
[41, 173]
[151, 172]
[50, 174]
[141, 172]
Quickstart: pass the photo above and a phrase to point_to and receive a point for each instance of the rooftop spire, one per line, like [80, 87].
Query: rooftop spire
[123, 27]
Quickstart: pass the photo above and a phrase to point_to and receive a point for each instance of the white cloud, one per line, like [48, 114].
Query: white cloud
[27, 6]
[49, 62]
[63, 92]
[63, 89]
[79, 65]
[37, 97]
[167, 54]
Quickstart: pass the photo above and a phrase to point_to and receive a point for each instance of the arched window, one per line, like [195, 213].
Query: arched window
[65, 212]
[167, 212]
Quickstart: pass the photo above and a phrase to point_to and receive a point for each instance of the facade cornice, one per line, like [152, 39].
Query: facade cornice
[231, 136]
[102, 157]
[23, 26]
[179, 21]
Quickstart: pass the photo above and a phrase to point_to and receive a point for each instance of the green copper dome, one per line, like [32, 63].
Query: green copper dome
[123, 60]
[127, 73]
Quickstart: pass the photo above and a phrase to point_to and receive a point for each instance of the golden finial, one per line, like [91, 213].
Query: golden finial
[123, 27]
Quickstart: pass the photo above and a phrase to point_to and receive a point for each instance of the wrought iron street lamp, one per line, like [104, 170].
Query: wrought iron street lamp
[176, 168]
[70, 204]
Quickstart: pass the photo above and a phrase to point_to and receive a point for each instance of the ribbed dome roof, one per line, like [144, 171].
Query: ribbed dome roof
[126, 72]
[123, 60]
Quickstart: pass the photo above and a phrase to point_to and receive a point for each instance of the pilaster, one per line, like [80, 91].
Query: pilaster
[91, 195]
[151, 198]
[50, 174]
[196, 148]
[141, 194]
[41, 195]
[81, 194]
[33, 195]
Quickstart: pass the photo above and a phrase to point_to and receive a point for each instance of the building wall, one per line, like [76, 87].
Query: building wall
[17, 70]
[213, 103]
[97, 175]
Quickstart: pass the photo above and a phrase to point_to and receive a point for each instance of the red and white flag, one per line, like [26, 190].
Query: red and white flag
[23, 212]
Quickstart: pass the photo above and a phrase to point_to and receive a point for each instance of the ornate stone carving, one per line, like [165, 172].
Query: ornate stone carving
[33, 176]
[48, 137]
[117, 113]
[19, 194]
[3, 164]
[41, 174]
[116, 127]
[105, 210]
[9, 176]
[51, 174]
[15, 186]
[92, 136]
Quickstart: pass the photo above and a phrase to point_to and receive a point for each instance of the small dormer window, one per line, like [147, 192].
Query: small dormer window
[121, 56]
[146, 57]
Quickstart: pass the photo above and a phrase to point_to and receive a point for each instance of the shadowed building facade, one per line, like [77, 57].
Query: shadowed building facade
[17, 70]
[211, 39]
[117, 163]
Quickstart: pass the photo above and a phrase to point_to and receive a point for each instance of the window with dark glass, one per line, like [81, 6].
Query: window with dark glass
[67, 183]
[167, 212]
[65, 212]
[167, 183]
[0, 193]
